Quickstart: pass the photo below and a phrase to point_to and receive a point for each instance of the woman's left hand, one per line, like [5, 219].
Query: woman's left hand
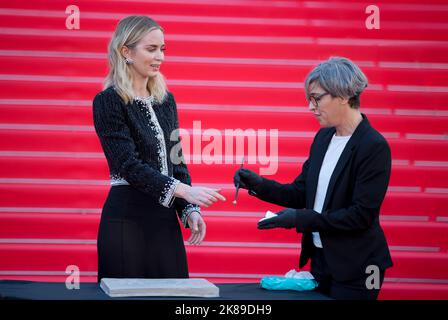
[197, 226]
[284, 219]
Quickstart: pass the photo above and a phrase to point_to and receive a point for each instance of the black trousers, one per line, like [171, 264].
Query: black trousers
[347, 290]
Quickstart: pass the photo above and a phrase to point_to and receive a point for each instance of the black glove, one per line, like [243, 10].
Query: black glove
[284, 219]
[246, 179]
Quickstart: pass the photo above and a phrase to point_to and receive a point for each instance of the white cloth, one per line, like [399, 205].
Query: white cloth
[293, 274]
[334, 151]
[268, 215]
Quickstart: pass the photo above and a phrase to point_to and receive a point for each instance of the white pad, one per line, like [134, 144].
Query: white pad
[268, 215]
[123, 287]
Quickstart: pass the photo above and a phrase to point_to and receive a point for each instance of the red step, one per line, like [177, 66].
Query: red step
[97, 169]
[209, 259]
[413, 205]
[247, 9]
[87, 141]
[227, 94]
[239, 26]
[51, 226]
[413, 291]
[286, 48]
[238, 230]
[251, 71]
[223, 119]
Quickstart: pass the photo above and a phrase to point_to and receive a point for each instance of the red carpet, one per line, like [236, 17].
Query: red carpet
[237, 64]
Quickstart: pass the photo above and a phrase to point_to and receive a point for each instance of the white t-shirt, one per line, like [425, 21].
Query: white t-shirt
[331, 158]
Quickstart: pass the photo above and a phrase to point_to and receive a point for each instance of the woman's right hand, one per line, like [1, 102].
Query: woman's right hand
[246, 179]
[201, 196]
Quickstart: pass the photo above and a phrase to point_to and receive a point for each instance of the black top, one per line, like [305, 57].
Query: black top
[349, 226]
[137, 139]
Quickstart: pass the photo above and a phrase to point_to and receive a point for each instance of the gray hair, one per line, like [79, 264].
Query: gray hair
[340, 77]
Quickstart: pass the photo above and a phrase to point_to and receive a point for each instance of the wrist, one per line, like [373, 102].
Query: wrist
[257, 184]
[192, 213]
[181, 190]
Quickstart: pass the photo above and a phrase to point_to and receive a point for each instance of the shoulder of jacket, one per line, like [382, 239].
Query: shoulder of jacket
[169, 98]
[373, 140]
[108, 92]
[169, 101]
[107, 96]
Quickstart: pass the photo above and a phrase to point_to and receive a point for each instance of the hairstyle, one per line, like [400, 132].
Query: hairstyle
[340, 77]
[129, 32]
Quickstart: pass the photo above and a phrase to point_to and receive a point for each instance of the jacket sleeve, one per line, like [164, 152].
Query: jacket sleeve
[121, 154]
[372, 179]
[180, 170]
[290, 195]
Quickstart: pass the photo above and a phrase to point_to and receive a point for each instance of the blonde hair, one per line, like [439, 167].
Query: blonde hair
[129, 32]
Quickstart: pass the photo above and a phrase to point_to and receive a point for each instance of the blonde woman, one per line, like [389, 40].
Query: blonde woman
[135, 118]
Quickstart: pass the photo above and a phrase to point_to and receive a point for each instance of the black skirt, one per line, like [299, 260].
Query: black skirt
[139, 238]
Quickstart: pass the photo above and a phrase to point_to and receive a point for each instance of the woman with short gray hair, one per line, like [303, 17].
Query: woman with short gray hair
[335, 201]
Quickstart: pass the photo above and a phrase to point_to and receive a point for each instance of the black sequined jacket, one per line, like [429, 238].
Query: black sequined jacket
[137, 139]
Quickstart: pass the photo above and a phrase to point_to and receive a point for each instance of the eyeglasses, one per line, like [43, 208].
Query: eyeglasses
[315, 99]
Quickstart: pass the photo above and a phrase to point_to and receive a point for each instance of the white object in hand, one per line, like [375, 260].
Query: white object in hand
[268, 215]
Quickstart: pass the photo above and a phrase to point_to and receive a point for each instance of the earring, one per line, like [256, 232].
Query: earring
[128, 61]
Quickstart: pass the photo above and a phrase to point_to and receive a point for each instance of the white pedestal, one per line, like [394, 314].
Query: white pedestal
[115, 287]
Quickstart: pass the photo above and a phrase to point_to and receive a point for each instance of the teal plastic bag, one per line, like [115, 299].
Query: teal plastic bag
[283, 283]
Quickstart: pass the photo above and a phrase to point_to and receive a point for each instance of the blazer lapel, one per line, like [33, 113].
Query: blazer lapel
[316, 164]
[345, 156]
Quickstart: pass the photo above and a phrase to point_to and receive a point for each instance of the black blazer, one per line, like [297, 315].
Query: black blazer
[349, 226]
